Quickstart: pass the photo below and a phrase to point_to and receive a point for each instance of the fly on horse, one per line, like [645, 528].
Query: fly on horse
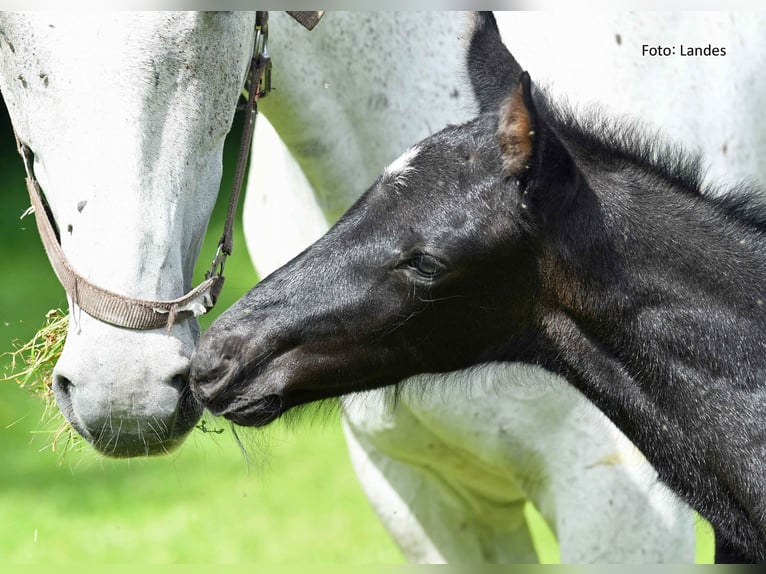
[532, 233]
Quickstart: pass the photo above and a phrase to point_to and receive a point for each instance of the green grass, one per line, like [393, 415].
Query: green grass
[202, 504]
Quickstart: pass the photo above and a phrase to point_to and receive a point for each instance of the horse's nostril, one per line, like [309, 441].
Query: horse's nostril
[272, 404]
[231, 348]
[64, 391]
[207, 375]
[180, 382]
[62, 386]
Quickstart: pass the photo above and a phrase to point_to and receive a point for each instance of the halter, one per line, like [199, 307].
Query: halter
[142, 314]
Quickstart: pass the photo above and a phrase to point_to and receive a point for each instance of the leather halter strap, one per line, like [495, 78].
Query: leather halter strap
[129, 312]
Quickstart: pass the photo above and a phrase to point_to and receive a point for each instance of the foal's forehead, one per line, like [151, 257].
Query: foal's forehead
[397, 171]
[455, 152]
[452, 180]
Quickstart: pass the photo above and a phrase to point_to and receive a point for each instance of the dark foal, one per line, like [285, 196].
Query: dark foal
[529, 235]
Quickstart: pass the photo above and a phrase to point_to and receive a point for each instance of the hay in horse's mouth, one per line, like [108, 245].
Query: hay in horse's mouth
[31, 368]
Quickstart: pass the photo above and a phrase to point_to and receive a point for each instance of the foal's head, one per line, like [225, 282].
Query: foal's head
[431, 270]
[527, 234]
[472, 247]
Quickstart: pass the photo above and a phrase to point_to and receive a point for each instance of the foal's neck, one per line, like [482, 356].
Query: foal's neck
[656, 311]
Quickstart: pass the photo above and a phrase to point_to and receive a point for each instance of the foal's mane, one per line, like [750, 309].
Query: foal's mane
[623, 141]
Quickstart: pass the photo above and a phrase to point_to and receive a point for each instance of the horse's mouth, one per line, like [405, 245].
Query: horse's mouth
[254, 413]
[126, 436]
[255, 392]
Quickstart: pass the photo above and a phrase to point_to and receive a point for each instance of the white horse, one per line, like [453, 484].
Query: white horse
[448, 475]
[126, 116]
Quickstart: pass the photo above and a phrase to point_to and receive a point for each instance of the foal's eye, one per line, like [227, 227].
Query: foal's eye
[426, 265]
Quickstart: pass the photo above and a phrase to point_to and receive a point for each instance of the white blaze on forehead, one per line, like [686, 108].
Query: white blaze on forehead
[401, 166]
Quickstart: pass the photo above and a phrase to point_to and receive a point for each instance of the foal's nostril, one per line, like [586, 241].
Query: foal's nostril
[180, 382]
[213, 359]
[272, 404]
[231, 348]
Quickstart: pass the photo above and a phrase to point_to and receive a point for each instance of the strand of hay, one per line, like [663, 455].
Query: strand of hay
[32, 369]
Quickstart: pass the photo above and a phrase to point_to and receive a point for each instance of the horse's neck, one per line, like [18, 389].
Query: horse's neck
[664, 278]
[346, 114]
[663, 330]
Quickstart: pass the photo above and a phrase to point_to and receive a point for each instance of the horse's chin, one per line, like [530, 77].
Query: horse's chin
[133, 446]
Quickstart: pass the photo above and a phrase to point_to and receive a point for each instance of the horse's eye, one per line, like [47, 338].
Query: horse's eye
[426, 265]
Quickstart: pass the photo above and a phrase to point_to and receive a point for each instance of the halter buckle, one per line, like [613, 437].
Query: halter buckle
[219, 261]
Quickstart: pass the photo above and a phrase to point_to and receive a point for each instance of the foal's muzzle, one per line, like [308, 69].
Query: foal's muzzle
[221, 381]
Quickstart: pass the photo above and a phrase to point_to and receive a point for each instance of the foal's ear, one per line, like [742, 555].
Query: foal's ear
[534, 154]
[493, 71]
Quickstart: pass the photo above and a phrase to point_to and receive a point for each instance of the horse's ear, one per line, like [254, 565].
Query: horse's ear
[492, 69]
[534, 154]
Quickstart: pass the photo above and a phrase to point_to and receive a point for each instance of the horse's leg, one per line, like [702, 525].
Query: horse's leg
[433, 519]
[614, 511]
[520, 428]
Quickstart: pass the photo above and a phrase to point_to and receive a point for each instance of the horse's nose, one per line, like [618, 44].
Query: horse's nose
[142, 424]
[224, 367]
[213, 364]
[134, 402]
